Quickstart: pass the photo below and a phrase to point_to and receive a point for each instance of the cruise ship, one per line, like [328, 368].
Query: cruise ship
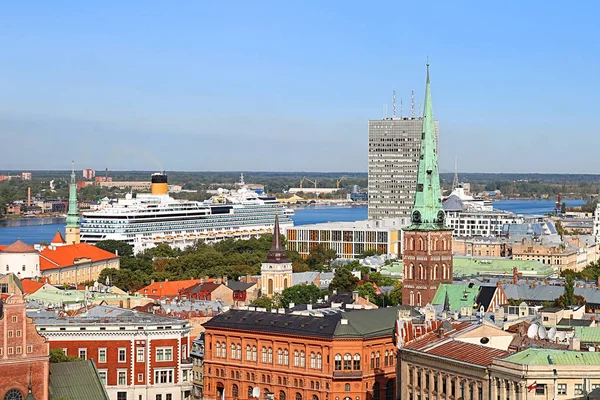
[147, 220]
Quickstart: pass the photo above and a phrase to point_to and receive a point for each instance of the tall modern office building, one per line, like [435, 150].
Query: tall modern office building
[394, 145]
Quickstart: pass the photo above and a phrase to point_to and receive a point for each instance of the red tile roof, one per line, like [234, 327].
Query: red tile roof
[53, 257]
[167, 289]
[2, 247]
[30, 286]
[19, 247]
[431, 338]
[467, 352]
[58, 239]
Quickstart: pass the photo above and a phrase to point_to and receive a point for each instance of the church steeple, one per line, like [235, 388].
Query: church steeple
[72, 229]
[428, 212]
[276, 253]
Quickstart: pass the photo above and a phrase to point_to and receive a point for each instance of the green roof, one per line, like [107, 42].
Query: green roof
[469, 266]
[368, 323]
[75, 381]
[588, 334]
[74, 296]
[394, 269]
[554, 357]
[458, 295]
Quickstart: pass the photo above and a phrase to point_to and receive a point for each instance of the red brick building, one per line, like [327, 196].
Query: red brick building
[24, 354]
[138, 355]
[323, 355]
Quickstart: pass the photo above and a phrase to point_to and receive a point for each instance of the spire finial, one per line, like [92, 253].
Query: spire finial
[427, 69]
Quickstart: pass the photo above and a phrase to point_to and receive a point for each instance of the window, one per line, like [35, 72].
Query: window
[166, 353]
[302, 359]
[578, 389]
[248, 353]
[377, 360]
[250, 388]
[540, 389]
[122, 375]
[338, 362]
[140, 377]
[264, 354]
[163, 376]
[10, 334]
[233, 350]
[281, 395]
[159, 397]
[139, 354]
[29, 349]
[19, 349]
[101, 355]
[254, 353]
[313, 360]
[296, 358]
[102, 376]
[280, 357]
[218, 350]
[169, 396]
[372, 360]
[121, 395]
[562, 388]
[18, 333]
[298, 396]
[347, 361]
[234, 391]
[319, 361]
[347, 387]
[270, 358]
[357, 362]
[239, 351]
[122, 355]
[83, 354]
[286, 357]
[385, 359]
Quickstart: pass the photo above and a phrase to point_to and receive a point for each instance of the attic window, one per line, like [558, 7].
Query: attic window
[484, 340]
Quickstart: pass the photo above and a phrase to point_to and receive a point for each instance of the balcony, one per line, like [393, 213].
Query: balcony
[187, 362]
[347, 374]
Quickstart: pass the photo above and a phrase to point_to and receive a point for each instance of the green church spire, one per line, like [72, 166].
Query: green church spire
[428, 213]
[73, 215]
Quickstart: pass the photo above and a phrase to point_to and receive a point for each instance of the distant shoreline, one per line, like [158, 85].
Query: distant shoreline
[7, 222]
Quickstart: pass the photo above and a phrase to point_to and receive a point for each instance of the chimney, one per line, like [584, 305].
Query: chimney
[598, 283]
[247, 278]
[309, 307]
[354, 296]
[225, 279]
[515, 275]
[152, 281]
[29, 196]
[218, 281]
[201, 280]
[291, 305]
[166, 279]
[575, 344]
[441, 332]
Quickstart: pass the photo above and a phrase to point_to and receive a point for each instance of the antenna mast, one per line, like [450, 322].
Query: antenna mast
[455, 182]
[412, 104]
[400, 106]
[394, 103]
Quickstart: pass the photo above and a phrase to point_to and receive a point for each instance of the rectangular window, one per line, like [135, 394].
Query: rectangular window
[139, 354]
[159, 397]
[19, 349]
[122, 355]
[101, 355]
[122, 377]
[578, 389]
[140, 377]
[164, 354]
[102, 376]
[14, 319]
[163, 376]
[83, 354]
[540, 389]
[169, 396]
[29, 349]
[562, 388]
[121, 395]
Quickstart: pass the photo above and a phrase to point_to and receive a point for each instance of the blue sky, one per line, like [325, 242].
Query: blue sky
[290, 85]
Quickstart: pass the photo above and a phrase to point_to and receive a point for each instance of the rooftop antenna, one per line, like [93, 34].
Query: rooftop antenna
[394, 103]
[412, 104]
[455, 182]
[401, 109]
[383, 111]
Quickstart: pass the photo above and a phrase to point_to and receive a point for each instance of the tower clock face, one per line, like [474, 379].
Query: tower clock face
[441, 216]
[416, 217]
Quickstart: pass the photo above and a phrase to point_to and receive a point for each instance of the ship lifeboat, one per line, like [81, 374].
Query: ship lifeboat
[168, 237]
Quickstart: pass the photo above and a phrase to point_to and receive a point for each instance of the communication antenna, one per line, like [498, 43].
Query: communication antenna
[455, 182]
[552, 334]
[542, 333]
[591, 349]
[394, 103]
[532, 331]
[256, 392]
[400, 106]
[412, 104]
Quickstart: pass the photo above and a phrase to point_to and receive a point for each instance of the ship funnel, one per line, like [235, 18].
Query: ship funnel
[159, 184]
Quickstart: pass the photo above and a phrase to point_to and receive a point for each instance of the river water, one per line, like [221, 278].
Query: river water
[36, 230]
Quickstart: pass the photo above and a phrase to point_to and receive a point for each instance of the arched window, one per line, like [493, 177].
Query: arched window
[224, 348]
[264, 354]
[347, 361]
[218, 349]
[389, 390]
[296, 358]
[377, 365]
[302, 359]
[412, 298]
[298, 396]
[412, 271]
[281, 395]
[13, 394]
[234, 391]
[312, 385]
[239, 351]
[262, 378]
[421, 272]
[385, 359]
[435, 271]
[300, 383]
[347, 387]
[314, 397]
[421, 244]
[411, 243]
[254, 353]
[250, 389]
[419, 298]
[376, 394]
[286, 357]
[295, 382]
[248, 353]
[317, 385]
[270, 353]
[232, 350]
[313, 360]
[338, 362]
[356, 362]
[444, 272]
[237, 375]
[279, 380]
[319, 361]
[247, 376]
[279, 356]
[372, 360]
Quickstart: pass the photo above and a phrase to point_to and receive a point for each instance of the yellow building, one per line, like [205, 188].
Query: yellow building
[559, 256]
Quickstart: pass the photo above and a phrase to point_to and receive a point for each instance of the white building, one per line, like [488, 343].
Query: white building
[21, 259]
[596, 228]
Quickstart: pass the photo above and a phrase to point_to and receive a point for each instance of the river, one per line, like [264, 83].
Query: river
[38, 230]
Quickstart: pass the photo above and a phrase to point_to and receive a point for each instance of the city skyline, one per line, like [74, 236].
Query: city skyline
[205, 87]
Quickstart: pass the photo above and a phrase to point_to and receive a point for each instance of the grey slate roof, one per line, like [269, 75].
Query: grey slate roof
[540, 293]
[236, 285]
[299, 278]
[75, 381]
[453, 203]
[575, 322]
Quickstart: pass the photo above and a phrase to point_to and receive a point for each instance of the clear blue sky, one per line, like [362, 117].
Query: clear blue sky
[290, 85]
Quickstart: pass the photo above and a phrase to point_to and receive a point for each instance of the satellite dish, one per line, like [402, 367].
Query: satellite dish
[532, 331]
[256, 392]
[592, 349]
[542, 333]
[552, 334]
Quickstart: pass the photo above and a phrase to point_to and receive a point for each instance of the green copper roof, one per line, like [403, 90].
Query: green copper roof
[588, 334]
[458, 296]
[76, 380]
[469, 266]
[554, 357]
[73, 215]
[428, 213]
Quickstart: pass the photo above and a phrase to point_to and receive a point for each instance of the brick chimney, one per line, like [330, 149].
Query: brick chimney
[225, 279]
[515, 275]
[598, 283]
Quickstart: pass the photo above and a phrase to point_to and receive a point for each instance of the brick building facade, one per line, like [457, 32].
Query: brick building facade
[319, 356]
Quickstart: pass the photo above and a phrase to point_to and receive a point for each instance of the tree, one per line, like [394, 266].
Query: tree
[320, 256]
[343, 281]
[300, 294]
[58, 356]
[568, 297]
[267, 302]
[116, 246]
[367, 291]
[563, 208]
[381, 280]
[395, 295]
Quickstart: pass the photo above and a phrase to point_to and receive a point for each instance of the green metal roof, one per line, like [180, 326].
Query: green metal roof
[554, 357]
[588, 334]
[469, 266]
[75, 381]
[394, 269]
[368, 323]
[458, 295]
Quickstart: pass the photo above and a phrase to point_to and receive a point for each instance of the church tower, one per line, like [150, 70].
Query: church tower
[597, 220]
[72, 230]
[276, 271]
[427, 241]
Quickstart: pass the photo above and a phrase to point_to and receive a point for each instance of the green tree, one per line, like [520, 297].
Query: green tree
[300, 294]
[395, 295]
[381, 280]
[568, 297]
[116, 246]
[267, 302]
[563, 208]
[343, 281]
[320, 256]
[367, 291]
[58, 356]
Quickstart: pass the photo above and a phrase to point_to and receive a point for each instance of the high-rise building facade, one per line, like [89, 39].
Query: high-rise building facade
[394, 145]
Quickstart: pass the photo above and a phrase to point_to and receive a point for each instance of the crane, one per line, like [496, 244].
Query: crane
[337, 182]
[302, 181]
[311, 181]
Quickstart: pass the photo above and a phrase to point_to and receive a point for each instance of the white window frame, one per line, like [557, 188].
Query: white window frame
[119, 371]
[170, 376]
[105, 372]
[84, 351]
[124, 352]
[102, 355]
[140, 354]
[163, 351]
